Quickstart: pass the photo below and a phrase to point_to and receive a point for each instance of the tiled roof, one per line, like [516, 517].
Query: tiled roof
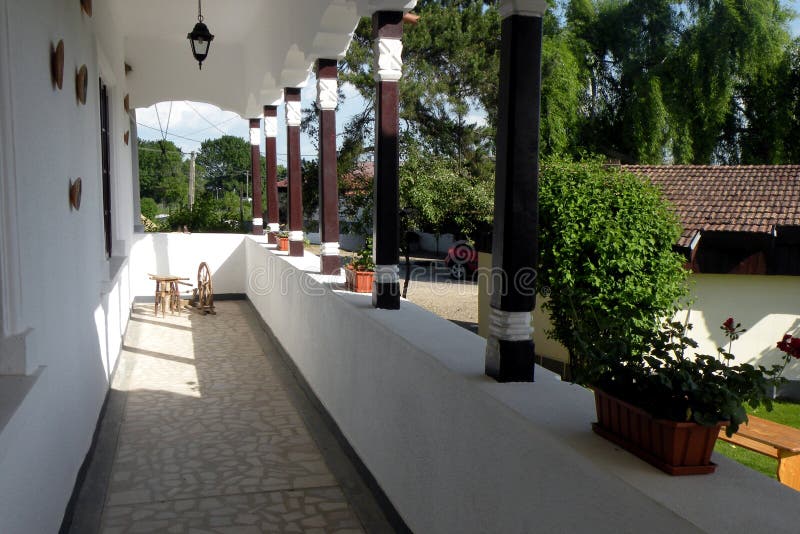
[735, 198]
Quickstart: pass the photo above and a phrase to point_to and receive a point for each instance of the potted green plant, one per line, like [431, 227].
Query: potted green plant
[668, 404]
[283, 238]
[360, 272]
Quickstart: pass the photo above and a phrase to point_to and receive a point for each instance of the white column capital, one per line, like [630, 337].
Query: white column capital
[258, 221]
[329, 249]
[388, 59]
[255, 136]
[296, 235]
[526, 8]
[327, 97]
[293, 113]
[271, 127]
[510, 326]
[274, 227]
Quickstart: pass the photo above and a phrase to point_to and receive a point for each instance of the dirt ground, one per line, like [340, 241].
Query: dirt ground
[432, 288]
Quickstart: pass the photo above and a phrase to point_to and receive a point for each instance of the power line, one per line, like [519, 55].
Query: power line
[169, 134]
[202, 117]
[229, 119]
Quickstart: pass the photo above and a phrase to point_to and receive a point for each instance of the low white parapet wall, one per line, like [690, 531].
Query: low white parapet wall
[455, 451]
[180, 254]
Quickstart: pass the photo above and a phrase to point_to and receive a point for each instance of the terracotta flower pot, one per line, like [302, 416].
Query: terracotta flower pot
[358, 281]
[675, 448]
[283, 243]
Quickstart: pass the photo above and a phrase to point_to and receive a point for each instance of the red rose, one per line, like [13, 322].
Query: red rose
[728, 325]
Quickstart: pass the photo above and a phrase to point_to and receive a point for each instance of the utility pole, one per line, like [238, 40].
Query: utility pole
[191, 180]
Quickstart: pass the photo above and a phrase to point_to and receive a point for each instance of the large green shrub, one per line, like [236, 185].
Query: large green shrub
[606, 258]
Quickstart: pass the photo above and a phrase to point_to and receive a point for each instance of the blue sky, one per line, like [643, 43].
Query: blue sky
[190, 123]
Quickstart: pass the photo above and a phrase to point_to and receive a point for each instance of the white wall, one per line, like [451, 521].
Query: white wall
[181, 254]
[457, 452]
[434, 243]
[767, 306]
[74, 301]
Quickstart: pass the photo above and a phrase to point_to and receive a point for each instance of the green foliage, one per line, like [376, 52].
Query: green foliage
[363, 260]
[564, 82]
[161, 170]
[643, 81]
[149, 208]
[605, 243]
[224, 162]
[668, 77]
[441, 197]
[670, 383]
[206, 216]
[310, 190]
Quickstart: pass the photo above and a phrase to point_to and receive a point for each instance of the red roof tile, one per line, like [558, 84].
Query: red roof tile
[737, 198]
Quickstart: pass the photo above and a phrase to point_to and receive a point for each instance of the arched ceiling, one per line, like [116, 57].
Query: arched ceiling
[259, 47]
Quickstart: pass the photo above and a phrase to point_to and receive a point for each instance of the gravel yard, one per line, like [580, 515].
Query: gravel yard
[432, 288]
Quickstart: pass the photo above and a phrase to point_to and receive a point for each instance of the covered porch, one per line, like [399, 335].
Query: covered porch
[447, 426]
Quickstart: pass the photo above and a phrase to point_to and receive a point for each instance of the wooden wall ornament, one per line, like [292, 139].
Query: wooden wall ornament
[127, 136]
[127, 103]
[75, 194]
[81, 83]
[57, 64]
[86, 7]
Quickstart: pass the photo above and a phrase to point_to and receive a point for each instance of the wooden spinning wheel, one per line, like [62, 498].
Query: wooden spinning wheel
[204, 294]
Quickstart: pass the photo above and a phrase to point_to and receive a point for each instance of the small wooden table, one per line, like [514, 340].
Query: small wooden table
[771, 439]
[167, 291]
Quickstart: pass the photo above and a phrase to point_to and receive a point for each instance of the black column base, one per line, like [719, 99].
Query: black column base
[512, 361]
[386, 295]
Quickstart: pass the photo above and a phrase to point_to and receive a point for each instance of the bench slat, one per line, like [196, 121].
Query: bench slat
[770, 433]
[748, 443]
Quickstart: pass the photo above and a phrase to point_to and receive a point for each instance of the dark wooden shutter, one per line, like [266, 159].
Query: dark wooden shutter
[106, 157]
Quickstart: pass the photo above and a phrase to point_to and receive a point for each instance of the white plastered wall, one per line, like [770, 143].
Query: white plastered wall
[74, 300]
[181, 254]
[767, 306]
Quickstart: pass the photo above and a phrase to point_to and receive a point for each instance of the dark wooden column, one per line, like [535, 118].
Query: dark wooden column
[271, 152]
[255, 172]
[387, 30]
[291, 96]
[327, 98]
[510, 349]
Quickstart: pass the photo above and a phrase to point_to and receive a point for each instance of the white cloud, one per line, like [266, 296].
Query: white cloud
[185, 125]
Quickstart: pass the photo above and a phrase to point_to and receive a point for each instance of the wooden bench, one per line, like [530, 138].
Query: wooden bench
[771, 439]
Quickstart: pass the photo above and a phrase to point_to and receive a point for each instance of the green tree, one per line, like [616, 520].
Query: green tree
[149, 208]
[160, 162]
[224, 162]
[667, 77]
[610, 270]
[770, 112]
[441, 197]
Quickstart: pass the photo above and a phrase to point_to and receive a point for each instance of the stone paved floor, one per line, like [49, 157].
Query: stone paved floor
[211, 438]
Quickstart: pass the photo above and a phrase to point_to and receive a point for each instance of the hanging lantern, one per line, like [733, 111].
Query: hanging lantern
[200, 38]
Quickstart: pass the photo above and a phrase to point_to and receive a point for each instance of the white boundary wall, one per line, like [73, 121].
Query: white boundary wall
[456, 452]
[181, 254]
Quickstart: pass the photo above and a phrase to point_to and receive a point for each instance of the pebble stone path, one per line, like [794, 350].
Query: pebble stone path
[210, 440]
